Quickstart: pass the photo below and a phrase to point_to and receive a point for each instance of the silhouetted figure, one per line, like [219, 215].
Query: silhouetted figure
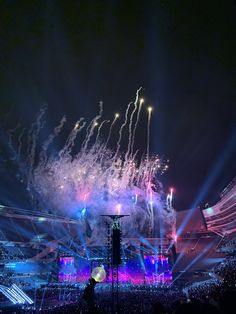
[88, 295]
[158, 308]
[227, 302]
[173, 252]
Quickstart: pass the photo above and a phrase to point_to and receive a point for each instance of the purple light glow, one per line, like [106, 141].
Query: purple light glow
[157, 271]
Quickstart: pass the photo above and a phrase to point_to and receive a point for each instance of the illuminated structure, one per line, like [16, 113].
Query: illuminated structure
[221, 218]
[16, 295]
[114, 239]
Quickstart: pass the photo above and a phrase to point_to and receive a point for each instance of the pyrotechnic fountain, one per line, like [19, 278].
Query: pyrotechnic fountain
[97, 180]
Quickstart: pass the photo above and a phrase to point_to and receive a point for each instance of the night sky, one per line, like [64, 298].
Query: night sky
[72, 54]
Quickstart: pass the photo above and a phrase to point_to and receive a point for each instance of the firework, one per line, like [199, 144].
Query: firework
[96, 179]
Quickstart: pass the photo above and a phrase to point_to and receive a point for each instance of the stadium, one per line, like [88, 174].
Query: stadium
[50, 267]
[103, 233]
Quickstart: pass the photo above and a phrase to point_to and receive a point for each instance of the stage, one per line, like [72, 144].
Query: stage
[146, 269]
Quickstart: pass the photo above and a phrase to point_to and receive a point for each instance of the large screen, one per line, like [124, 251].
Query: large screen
[67, 270]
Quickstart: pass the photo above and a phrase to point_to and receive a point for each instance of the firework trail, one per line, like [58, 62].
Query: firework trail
[148, 130]
[20, 137]
[99, 130]
[32, 142]
[121, 129]
[130, 125]
[91, 127]
[66, 151]
[56, 131]
[113, 122]
[136, 124]
[10, 141]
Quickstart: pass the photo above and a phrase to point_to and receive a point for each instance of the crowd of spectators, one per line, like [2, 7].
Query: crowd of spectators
[228, 243]
[6, 279]
[161, 301]
[227, 270]
[211, 296]
[11, 254]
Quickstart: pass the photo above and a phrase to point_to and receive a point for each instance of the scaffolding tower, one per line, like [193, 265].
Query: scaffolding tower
[114, 240]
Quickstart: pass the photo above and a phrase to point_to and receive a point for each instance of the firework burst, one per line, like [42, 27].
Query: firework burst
[98, 180]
